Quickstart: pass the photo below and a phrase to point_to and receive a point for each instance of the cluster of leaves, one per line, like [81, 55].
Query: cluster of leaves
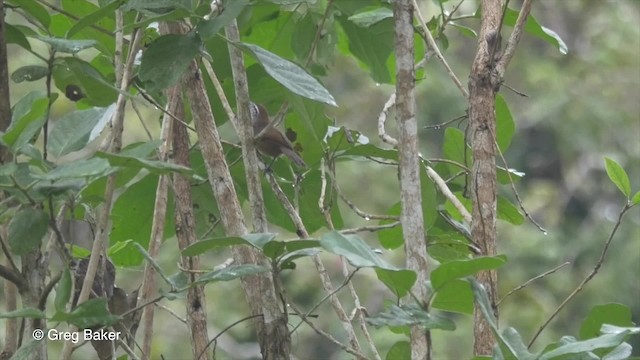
[359, 29]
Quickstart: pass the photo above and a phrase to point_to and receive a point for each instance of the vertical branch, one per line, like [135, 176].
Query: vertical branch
[409, 167]
[159, 218]
[185, 232]
[101, 234]
[259, 289]
[5, 101]
[275, 340]
[483, 86]
[10, 290]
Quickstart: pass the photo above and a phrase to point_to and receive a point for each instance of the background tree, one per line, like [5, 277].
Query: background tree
[108, 188]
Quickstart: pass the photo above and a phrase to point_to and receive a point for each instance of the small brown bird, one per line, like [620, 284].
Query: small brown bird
[273, 142]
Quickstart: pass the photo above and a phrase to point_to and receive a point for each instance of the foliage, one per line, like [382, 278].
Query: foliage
[290, 47]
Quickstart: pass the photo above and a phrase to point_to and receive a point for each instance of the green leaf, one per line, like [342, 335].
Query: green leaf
[509, 212]
[203, 246]
[26, 230]
[410, 315]
[461, 268]
[33, 8]
[579, 347]
[391, 238]
[71, 71]
[636, 198]
[67, 45]
[618, 176]
[372, 46]
[401, 350]
[371, 17]
[23, 313]
[72, 132]
[454, 147]
[78, 169]
[90, 313]
[357, 252]
[15, 36]
[63, 292]
[230, 11]
[166, 60]
[29, 73]
[27, 119]
[154, 166]
[290, 75]
[230, 273]
[505, 126]
[614, 314]
[454, 296]
[259, 240]
[94, 17]
[534, 28]
[398, 281]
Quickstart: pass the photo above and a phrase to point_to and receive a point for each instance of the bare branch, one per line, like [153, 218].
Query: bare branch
[523, 285]
[382, 118]
[514, 39]
[588, 278]
[433, 46]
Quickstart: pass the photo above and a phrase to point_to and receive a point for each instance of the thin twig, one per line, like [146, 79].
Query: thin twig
[372, 228]
[523, 285]
[433, 46]
[513, 186]
[512, 43]
[329, 337]
[225, 330]
[587, 278]
[441, 125]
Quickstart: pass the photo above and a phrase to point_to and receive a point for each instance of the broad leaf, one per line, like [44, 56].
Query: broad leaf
[167, 58]
[400, 281]
[618, 176]
[29, 73]
[290, 75]
[26, 230]
[72, 132]
[357, 252]
[410, 315]
[461, 268]
[230, 11]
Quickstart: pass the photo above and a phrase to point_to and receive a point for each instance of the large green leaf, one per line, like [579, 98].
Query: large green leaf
[454, 296]
[95, 16]
[72, 132]
[357, 252]
[410, 315]
[372, 46]
[29, 73]
[614, 314]
[90, 313]
[618, 176]
[154, 166]
[401, 350]
[67, 45]
[27, 120]
[63, 292]
[290, 75]
[33, 8]
[534, 28]
[461, 268]
[509, 212]
[370, 17]
[167, 58]
[26, 230]
[71, 71]
[230, 11]
[400, 281]
[14, 35]
[79, 169]
[571, 346]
